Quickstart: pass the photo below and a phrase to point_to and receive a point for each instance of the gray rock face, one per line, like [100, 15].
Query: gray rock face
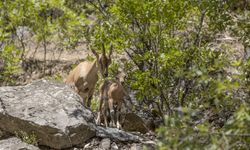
[15, 144]
[49, 109]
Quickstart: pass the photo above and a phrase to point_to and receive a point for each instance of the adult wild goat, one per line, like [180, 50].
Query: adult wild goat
[85, 75]
[112, 96]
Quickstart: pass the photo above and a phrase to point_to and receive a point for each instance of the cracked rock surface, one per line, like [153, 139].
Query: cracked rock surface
[49, 109]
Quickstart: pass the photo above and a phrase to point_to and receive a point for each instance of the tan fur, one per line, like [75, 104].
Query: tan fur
[84, 76]
[111, 99]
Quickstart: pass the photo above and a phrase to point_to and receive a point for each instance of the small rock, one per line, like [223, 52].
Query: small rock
[132, 122]
[105, 144]
[116, 134]
[150, 144]
[136, 147]
[87, 146]
[114, 146]
[95, 142]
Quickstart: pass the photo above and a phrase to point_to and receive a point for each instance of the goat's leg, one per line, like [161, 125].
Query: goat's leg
[105, 117]
[118, 111]
[105, 111]
[112, 112]
[98, 120]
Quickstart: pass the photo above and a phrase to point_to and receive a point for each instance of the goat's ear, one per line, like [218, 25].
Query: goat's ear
[94, 52]
[110, 50]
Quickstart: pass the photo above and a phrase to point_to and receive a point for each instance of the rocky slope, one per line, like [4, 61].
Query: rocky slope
[51, 114]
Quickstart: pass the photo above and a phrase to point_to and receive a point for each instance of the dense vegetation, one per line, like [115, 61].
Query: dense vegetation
[179, 66]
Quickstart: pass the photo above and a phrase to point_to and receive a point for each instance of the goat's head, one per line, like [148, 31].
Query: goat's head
[104, 60]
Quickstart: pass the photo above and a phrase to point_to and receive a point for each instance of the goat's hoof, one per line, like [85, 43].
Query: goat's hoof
[118, 125]
[97, 122]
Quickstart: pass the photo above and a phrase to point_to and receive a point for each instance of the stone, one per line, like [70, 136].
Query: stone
[50, 110]
[114, 146]
[92, 144]
[4, 135]
[16, 144]
[132, 122]
[87, 146]
[105, 144]
[136, 147]
[116, 134]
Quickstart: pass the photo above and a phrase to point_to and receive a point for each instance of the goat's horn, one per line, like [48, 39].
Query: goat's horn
[110, 49]
[103, 48]
[93, 51]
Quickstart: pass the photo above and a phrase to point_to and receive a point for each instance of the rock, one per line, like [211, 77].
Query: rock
[150, 145]
[49, 109]
[114, 146]
[105, 144]
[88, 146]
[116, 134]
[136, 147]
[92, 144]
[4, 135]
[15, 144]
[132, 122]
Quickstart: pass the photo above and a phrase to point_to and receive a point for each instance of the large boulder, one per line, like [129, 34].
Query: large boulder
[15, 144]
[50, 110]
[132, 122]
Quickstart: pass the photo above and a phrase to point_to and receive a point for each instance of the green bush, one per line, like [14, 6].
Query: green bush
[174, 60]
[10, 56]
[27, 138]
[172, 63]
[181, 132]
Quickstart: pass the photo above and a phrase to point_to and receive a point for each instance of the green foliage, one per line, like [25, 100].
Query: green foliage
[113, 70]
[171, 60]
[181, 132]
[56, 77]
[153, 34]
[172, 63]
[50, 21]
[9, 54]
[94, 105]
[178, 133]
[27, 138]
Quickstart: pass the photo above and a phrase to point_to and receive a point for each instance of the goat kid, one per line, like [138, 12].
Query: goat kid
[85, 75]
[111, 99]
